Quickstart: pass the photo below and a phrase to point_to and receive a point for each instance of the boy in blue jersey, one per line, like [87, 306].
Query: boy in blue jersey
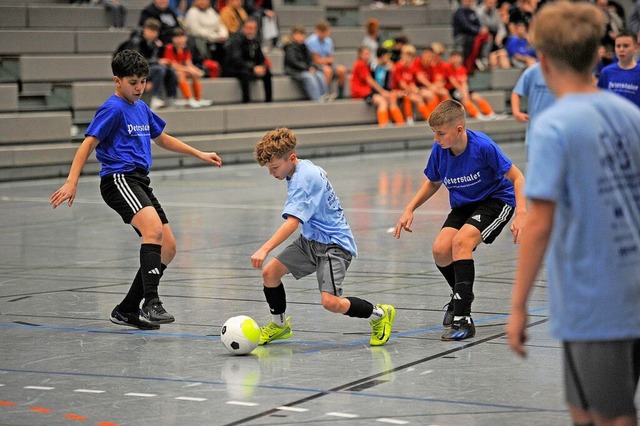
[623, 77]
[484, 189]
[121, 134]
[325, 246]
[532, 85]
[583, 186]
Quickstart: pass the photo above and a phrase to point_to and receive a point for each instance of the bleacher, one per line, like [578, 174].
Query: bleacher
[55, 70]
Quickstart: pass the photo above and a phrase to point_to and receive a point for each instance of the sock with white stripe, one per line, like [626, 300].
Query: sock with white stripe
[150, 269]
[463, 290]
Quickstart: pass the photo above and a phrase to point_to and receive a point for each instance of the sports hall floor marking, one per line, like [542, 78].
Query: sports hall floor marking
[344, 415]
[392, 421]
[242, 403]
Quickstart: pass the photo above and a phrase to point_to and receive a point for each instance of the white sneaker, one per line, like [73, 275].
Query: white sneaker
[410, 121]
[193, 103]
[180, 102]
[205, 102]
[156, 103]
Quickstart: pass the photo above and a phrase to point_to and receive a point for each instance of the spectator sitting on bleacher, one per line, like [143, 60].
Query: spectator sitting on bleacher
[493, 54]
[298, 64]
[364, 86]
[321, 46]
[403, 81]
[246, 62]
[372, 38]
[163, 78]
[233, 16]
[522, 11]
[426, 68]
[267, 19]
[160, 10]
[204, 25]
[179, 57]
[469, 35]
[518, 48]
[458, 85]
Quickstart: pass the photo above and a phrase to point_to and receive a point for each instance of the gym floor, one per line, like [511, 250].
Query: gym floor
[62, 271]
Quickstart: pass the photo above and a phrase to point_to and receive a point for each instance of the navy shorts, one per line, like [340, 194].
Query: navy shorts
[128, 193]
[489, 216]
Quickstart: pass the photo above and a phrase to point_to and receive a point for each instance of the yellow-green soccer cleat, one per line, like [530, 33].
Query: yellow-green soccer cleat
[382, 327]
[272, 331]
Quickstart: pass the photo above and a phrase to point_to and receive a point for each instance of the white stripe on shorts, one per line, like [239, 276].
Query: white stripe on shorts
[502, 217]
[127, 193]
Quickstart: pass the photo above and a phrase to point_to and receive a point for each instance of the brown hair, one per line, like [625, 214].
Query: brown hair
[275, 144]
[569, 34]
[322, 25]
[448, 113]
[372, 26]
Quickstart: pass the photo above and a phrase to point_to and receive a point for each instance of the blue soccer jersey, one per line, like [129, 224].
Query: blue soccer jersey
[531, 84]
[475, 175]
[623, 82]
[125, 131]
[311, 199]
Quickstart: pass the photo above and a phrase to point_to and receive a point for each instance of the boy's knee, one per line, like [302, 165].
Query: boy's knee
[462, 244]
[330, 302]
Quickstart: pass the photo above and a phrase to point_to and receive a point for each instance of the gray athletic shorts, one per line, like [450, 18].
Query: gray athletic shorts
[602, 376]
[329, 261]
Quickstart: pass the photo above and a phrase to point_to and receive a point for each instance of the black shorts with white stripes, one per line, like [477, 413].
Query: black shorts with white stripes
[489, 216]
[128, 193]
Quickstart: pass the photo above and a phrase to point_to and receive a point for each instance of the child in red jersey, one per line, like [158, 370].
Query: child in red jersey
[457, 83]
[403, 80]
[178, 54]
[364, 86]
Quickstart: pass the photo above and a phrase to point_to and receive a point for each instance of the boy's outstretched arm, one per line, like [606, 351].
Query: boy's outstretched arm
[173, 144]
[530, 257]
[286, 229]
[517, 178]
[68, 190]
[424, 193]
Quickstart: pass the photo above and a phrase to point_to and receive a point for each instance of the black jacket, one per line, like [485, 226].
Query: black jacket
[242, 55]
[297, 58]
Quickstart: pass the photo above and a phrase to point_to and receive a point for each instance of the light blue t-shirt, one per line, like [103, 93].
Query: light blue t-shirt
[532, 85]
[585, 156]
[125, 131]
[475, 175]
[311, 199]
[324, 47]
[623, 82]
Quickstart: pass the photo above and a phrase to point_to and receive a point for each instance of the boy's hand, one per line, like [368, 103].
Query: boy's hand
[211, 158]
[66, 192]
[516, 227]
[257, 258]
[404, 223]
[516, 333]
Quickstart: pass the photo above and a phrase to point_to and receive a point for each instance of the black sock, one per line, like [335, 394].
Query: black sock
[463, 290]
[449, 274]
[131, 302]
[276, 298]
[150, 270]
[359, 308]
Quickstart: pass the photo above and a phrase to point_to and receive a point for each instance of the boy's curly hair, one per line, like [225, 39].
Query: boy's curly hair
[275, 144]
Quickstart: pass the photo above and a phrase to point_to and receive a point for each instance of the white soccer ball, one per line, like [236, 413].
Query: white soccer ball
[240, 335]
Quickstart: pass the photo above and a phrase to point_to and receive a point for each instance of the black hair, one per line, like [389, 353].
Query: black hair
[381, 52]
[129, 63]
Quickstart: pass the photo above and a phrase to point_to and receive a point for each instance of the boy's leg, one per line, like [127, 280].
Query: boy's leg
[149, 224]
[442, 254]
[280, 327]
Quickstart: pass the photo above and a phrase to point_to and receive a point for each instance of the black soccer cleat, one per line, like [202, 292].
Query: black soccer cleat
[131, 319]
[154, 313]
[460, 330]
